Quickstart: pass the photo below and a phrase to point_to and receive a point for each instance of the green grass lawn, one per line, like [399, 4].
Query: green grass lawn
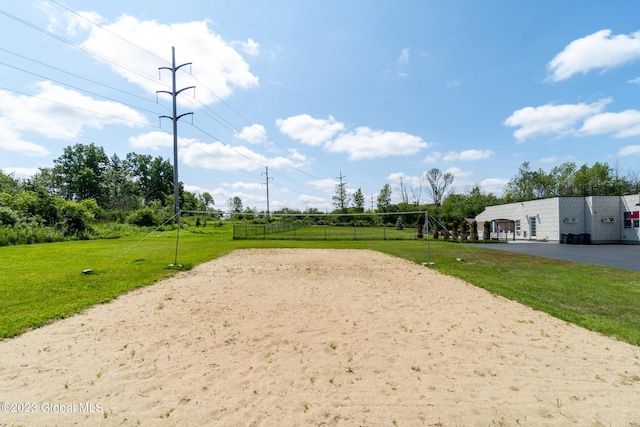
[40, 283]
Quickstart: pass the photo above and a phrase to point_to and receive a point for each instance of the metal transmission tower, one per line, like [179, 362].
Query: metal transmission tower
[174, 94]
[267, 182]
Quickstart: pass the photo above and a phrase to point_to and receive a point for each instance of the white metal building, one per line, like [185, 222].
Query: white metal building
[593, 219]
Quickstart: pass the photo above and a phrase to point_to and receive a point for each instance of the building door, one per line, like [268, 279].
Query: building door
[532, 226]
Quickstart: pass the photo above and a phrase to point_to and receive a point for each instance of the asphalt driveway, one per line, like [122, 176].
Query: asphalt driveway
[618, 256]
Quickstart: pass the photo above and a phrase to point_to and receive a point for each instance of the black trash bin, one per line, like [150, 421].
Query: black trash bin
[570, 239]
[563, 238]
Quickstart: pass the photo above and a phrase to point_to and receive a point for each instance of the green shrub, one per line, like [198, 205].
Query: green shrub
[24, 235]
[144, 217]
[74, 218]
[486, 232]
[474, 231]
[8, 217]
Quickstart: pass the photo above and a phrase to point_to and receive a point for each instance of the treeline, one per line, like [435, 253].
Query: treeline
[84, 186]
[568, 179]
[450, 208]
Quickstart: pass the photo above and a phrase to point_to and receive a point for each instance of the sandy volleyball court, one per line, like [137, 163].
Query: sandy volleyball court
[285, 337]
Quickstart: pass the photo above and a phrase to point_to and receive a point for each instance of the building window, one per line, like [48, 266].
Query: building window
[518, 227]
[632, 219]
[571, 220]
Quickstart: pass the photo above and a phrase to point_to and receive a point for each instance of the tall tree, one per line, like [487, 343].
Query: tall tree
[384, 199]
[79, 173]
[358, 201]
[341, 198]
[123, 194]
[403, 192]
[563, 177]
[235, 205]
[207, 200]
[439, 184]
[520, 187]
[8, 183]
[595, 180]
[154, 177]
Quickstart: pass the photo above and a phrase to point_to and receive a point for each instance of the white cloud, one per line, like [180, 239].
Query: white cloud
[599, 50]
[219, 156]
[57, 112]
[247, 185]
[10, 140]
[403, 59]
[313, 200]
[362, 143]
[250, 47]
[621, 125]
[409, 181]
[459, 173]
[83, 21]
[19, 172]
[254, 134]
[629, 150]
[152, 140]
[197, 190]
[468, 155]
[215, 155]
[433, 157]
[297, 156]
[494, 185]
[325, 185]
[216, 64]
[395, 177]
[555, 159]
[308, 130]
[365, 143]
[635, 81]
[552, 119]
[403, 62]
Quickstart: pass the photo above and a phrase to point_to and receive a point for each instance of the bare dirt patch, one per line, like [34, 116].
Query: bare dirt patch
[317, 337]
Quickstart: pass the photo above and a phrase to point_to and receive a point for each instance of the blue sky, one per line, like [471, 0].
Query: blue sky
[377, 91]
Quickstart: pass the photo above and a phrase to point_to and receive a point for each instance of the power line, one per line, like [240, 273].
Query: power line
[207, 111]
[76, 107]
[79, 47]
[73, 75]
[77, 88]
[108, 31]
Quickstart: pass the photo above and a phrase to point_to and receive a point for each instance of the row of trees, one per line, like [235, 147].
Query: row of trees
[85, 172]
[84, 184]
[450, 207]
[568, 179]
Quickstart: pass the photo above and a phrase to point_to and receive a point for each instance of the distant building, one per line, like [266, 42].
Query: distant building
[593, 219]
